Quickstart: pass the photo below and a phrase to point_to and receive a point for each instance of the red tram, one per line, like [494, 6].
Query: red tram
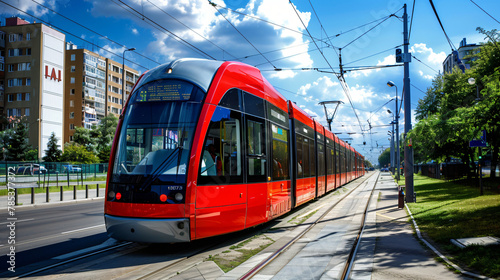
[208, 147]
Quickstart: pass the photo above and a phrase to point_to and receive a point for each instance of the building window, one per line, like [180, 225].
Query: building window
[28, 51]
[72, 92]
[73, 68]
[28, 81]
[72, 115]
[71, 103]
[27, 112]
[71, 126]
[12, 37]
[72, 80]
[28, 36]
[73, 57]
[19, 97]
[1, 67]
[27, 96]
[10, 68]
[10, 98]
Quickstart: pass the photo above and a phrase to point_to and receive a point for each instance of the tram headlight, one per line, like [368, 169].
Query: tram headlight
[111, 194]
[179, 196]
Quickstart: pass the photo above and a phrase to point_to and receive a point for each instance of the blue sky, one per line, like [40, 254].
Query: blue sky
[275, 31]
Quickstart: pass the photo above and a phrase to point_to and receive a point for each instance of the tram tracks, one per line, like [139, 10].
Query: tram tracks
[350, 259]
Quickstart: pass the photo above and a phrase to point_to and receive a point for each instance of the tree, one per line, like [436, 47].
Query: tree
[31, 155]
[76, 153]
[454, 112]
[385, 158]
[53, 153]
[106, 131]
[430, 104]
[86, 138]
[18, 145]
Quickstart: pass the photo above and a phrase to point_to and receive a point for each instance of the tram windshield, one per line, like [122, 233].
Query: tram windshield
[157, 132]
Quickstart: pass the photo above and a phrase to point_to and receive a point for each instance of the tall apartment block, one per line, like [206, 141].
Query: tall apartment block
[93, 88]
[56, 86]
[33, 78]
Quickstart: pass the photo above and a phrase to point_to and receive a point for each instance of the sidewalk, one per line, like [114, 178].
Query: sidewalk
[398, 254]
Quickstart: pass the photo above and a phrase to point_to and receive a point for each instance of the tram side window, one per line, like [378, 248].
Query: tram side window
[321, 160]
[305, 159]
[221, 156]
[330, 161]
[300, 163]
[280, 153]
[312, 154]
[256, 151]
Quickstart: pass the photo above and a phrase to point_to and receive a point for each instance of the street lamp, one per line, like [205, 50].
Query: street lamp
[123, 76]
[396, 120]
[472, 81]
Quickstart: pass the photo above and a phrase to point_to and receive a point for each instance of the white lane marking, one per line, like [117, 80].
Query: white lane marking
[82, 229]
[108, 243]
[17, 221]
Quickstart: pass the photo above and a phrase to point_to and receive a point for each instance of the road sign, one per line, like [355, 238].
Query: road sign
[477, 143]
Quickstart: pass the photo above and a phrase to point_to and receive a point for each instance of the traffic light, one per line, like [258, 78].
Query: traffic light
[399, 56]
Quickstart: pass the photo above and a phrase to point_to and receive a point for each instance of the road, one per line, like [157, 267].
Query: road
[44, 233]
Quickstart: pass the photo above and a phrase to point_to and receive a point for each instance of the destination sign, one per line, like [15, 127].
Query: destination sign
[165, 90]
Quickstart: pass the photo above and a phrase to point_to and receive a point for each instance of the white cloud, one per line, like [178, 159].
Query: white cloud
[210, 36]
[427, 77]
[29, 6]
[421, 50]
[134, 31]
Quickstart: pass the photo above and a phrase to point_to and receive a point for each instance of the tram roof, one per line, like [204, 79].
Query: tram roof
[183, 69]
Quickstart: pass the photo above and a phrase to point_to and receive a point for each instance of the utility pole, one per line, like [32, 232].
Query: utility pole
[410, 193]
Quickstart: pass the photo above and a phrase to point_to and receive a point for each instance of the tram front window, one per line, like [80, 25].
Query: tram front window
[156, 136]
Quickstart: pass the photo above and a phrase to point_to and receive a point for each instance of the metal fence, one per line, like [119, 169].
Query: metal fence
[37, 173]
[449, 171]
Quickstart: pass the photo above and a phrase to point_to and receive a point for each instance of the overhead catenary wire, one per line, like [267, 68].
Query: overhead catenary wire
[411, 21]
[230, 23]
[179, 39]
[485, 12]
[69, 33]
[194, 31]
[339, 75]
[439, 20]
[425, 64]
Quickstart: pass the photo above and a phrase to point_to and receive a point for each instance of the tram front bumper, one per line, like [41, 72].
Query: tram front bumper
[147, 230]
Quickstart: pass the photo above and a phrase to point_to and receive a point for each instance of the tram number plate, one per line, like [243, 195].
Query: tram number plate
[174, 188]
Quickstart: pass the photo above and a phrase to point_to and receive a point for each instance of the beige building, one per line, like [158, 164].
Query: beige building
[33, 78]
[93, 88]
[114, 85]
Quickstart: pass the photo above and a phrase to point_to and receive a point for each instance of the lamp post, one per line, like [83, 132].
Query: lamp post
[396, 121]
[393, 154]
[123, 76]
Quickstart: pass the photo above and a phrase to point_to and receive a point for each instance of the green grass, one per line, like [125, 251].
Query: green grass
[448, 210]
[227, 264]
